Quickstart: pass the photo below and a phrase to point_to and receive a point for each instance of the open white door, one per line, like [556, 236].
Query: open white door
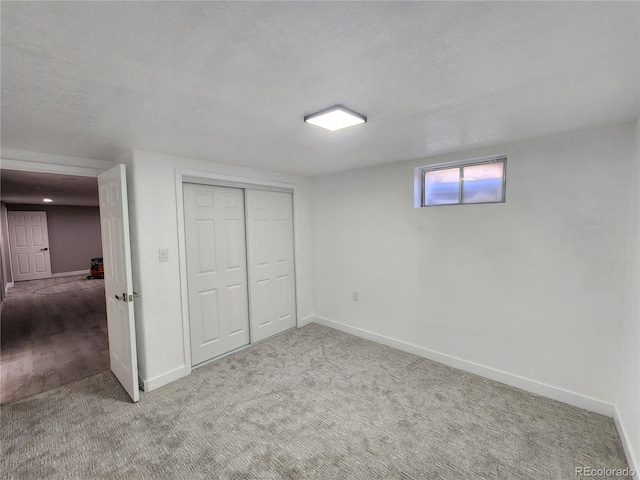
[116, 251]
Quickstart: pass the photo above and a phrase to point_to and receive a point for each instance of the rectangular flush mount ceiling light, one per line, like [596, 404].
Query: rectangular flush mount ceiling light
[335, 118]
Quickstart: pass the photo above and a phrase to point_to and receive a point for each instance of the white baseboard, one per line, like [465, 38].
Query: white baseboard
[8, 287]
[533, 386]
[631, 460]
[162, 380]
[68, 274]
[305, 321]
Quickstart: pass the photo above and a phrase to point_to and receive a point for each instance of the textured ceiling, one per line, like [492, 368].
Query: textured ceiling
[231, 81]
[30, 188]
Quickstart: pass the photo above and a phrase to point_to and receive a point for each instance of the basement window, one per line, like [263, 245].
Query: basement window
[480, 180]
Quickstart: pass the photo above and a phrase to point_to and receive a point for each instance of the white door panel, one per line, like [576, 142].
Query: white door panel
[114, 219]
[271, 262]
[216, 270]
[29, 245]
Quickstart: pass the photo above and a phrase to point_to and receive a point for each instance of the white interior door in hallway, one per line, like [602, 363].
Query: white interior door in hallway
[216, 270]
[118, 277]
[29, 245]
[271, 262]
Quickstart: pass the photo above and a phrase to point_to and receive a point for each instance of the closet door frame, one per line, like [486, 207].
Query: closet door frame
[209, 178]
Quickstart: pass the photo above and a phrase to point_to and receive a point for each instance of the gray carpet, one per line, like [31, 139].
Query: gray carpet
[311, 403]
[53, 331]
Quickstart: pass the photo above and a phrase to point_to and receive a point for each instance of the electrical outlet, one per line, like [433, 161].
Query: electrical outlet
[356, 296]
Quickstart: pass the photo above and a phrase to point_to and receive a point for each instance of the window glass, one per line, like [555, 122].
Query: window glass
[483, 183]
[442, 187]
[463, 182]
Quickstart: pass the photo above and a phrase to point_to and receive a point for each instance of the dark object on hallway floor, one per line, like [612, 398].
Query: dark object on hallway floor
[97, 268]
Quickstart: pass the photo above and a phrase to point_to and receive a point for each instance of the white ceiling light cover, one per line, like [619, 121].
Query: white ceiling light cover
[335, 118]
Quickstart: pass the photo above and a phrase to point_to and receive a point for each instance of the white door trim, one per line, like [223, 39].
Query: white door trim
[48, 163]
[39, 167]
[210, 178]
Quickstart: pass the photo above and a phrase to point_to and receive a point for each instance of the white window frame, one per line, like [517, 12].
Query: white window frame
[419, 176]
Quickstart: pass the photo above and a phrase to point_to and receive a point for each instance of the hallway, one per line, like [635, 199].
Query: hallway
[52, 332]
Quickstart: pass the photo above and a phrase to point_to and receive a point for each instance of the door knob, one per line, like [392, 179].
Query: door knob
[44, 249]
[127, 298]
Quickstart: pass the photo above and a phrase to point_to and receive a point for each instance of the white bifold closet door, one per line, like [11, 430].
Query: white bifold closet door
[216, 270]
[271, 262]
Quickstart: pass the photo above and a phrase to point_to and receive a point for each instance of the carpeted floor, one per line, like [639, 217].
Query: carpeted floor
[53, 331]
[311, 403]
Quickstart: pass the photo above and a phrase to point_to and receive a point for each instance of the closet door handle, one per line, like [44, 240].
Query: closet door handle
[44, 249]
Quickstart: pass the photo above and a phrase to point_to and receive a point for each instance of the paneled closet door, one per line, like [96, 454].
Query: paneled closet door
[216, 270]
[271, 262]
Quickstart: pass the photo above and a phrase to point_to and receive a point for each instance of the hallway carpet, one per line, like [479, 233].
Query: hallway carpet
[52, 332]
[310, 403]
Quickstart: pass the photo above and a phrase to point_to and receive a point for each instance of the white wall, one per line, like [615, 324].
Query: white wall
[528, 292]
[154, 225]
[628, 389]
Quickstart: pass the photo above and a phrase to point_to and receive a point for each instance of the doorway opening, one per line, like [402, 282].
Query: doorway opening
[53, 324]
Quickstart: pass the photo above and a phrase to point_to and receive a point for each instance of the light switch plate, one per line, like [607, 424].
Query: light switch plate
[164, 254]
